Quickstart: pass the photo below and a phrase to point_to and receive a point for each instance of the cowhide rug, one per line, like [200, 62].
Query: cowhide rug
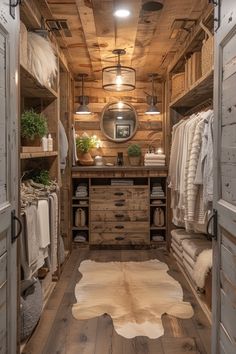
[134, 294]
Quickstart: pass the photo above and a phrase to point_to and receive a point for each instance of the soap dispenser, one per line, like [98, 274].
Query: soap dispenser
[50, 143]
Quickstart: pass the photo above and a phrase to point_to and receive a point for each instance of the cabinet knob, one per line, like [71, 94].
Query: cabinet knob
[119, 215]
[119, 226]
[118, 193]
[119, 238]
[119, 204]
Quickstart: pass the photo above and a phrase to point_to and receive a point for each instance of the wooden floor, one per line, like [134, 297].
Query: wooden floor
[59, 333]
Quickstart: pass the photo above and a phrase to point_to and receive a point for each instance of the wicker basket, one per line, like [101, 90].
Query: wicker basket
[207, 51]
[178, 84]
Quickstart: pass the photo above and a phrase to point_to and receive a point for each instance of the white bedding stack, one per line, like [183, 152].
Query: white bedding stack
[151, 159]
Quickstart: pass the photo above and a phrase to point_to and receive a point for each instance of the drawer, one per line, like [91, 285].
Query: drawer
[3, 269]
[3, 242]
[125, 238]
[121, 215]
[119, 204]
[119, 227]
[113, 193]
[228, 315]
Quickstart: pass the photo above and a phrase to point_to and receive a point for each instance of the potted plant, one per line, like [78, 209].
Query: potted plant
[84, 144]
[33, 128]
[134, 154]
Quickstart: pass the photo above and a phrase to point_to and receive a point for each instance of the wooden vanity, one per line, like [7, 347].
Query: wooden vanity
[119, 206]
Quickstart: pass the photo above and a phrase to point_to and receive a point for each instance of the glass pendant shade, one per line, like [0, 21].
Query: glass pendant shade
[152, 100]
[118, 77]
[83, 100]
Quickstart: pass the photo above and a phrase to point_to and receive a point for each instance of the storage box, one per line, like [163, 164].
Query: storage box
[207, 51]
[178, 84]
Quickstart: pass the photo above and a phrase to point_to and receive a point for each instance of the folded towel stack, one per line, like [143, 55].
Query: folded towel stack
[157, 191]
[82, 190]
[151, 159]
[80, 237]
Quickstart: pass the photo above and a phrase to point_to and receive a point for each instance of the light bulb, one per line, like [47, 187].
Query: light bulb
[120, 104]
[122, 13]
[119, 80]
[119, 117]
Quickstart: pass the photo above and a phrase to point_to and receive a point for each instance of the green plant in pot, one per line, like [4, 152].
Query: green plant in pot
[33, 128]
[85, 144]
[134, 154]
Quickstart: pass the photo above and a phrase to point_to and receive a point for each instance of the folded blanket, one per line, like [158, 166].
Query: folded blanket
[179, 247]
[194, 247]
[181, 234]
[176, 250]
[188, 269]
[188, 259]
[179, 260]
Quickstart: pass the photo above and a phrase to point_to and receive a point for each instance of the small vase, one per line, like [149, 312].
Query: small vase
[134, 160]
[85, 159]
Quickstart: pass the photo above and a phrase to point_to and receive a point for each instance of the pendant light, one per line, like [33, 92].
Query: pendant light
[152, 99]
[83, 100]
[118, 77]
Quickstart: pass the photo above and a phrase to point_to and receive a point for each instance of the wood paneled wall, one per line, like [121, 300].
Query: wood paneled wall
[150, 128]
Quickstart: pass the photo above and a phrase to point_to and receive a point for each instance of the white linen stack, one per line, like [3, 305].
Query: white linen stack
[81, 191]
[151, 159]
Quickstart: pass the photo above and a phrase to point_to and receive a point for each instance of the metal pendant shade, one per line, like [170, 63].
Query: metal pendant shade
[152, 99]
[118, 77]
[83, 100]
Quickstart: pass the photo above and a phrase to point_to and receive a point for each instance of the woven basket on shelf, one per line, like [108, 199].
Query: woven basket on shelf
[178, 84]
[207, 50]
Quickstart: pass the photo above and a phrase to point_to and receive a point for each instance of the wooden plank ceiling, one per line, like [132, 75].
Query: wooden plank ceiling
[144, 35]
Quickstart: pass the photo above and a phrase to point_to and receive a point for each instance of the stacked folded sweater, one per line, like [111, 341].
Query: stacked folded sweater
[157, 191]
[191, 250]
[151, 159]
[82, 190]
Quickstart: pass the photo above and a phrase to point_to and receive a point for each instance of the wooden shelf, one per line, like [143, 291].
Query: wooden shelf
[157, 228]
[80, 198]
[80, 206]
[157, 205]
[82, 228]
[30, 87]
[158, 198]
[199, 92]
[34, 155]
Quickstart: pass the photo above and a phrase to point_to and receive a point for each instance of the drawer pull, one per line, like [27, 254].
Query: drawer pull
[119, 204]
[119, 193]
[119, 226]
[119, 238]
[119, 215]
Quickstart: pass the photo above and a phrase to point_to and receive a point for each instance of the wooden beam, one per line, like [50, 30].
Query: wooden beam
[86, 14]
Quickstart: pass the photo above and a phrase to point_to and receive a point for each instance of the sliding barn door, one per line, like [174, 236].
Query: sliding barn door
[224, 268]
[9, 32]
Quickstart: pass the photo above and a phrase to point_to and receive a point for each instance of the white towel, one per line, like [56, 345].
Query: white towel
[43, 223]
[32, 243]
[154, 156]
[53, 204]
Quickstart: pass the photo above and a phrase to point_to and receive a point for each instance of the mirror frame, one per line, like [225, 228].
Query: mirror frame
[136, 123]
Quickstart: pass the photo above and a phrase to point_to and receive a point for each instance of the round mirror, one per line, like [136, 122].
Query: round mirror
[119, 121]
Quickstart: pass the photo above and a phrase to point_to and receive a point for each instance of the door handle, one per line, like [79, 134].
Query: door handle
[14, 219]
[119, 215]
[119, 238]
[119, 204]
[213, 218]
